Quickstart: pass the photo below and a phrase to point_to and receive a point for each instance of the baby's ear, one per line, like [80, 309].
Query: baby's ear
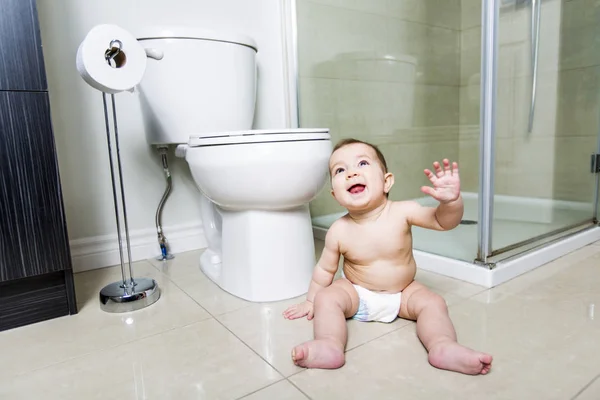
[388, 182]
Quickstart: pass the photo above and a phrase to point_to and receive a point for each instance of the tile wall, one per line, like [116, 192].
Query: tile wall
[405, 76]
[384, 71]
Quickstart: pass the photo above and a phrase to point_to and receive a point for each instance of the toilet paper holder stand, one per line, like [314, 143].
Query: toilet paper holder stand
[131, 293]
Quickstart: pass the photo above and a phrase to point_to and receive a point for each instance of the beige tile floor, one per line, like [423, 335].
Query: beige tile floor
[198, 342]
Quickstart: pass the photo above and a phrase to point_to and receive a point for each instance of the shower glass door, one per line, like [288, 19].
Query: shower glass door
[546, 119]
[402, 75]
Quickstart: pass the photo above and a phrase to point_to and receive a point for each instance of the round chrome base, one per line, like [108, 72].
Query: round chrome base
[117, 298]
[165, 258]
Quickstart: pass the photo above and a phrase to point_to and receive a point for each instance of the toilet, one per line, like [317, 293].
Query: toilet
[199, 94]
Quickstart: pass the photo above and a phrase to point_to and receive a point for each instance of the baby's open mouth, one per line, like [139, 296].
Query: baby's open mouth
[358, 188]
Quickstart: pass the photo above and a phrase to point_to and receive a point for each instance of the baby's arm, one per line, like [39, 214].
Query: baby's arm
[322, 275]
[326, 267]
[444, 217]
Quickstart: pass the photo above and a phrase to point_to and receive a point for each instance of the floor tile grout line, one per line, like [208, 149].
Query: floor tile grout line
[250, 347]
[176, 284]
[214, 317]
[229, 330]
[275, 383]
[296, 386]
[262, 388]
[380, 336]
[120, 344]
[352, 349]
[296, 373]
[107, 348]
[471, 296]
[397, 329]
[590, 383]
[236, 310]
[210, 316]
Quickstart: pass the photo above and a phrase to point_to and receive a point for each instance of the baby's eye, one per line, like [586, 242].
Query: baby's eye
[363, 163]
[337, 171]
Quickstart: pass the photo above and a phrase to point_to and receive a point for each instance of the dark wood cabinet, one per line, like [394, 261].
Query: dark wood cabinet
[36, 277]
[21, 57]
[33, 240]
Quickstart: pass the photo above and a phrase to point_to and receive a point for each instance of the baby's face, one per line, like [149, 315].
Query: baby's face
[357, 177]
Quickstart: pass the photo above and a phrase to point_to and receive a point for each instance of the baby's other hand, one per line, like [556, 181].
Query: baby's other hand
[446, 182]
[299, 311]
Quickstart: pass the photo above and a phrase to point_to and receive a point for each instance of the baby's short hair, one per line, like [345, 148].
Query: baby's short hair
[349, 141]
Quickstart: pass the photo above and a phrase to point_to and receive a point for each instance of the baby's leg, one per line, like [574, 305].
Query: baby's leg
[436, 332]
[332, 306]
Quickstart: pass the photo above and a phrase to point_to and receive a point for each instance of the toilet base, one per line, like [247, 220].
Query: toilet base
[267, 255]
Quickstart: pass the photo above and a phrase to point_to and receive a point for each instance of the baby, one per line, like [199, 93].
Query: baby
[377, 282]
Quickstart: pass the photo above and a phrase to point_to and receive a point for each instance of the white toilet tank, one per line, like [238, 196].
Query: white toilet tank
[204, 81]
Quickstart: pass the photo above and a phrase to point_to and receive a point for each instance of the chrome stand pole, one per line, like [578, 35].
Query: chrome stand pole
[128, 294]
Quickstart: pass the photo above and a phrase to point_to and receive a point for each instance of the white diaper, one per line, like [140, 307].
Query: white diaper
[373, 306]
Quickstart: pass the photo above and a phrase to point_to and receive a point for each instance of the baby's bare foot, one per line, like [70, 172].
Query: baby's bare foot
[322, 353]
[454, 357]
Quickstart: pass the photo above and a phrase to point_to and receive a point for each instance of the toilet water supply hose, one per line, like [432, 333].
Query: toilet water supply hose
[162, 240]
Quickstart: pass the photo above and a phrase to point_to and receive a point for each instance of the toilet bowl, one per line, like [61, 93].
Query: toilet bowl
[256, 186]
[199, 93]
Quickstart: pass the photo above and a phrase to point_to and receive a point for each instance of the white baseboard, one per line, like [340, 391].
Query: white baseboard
[103, 251]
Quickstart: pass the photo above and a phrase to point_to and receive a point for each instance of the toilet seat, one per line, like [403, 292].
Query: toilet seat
[257, 136]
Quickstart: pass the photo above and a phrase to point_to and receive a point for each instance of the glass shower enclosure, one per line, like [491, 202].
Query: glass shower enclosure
[507, 88]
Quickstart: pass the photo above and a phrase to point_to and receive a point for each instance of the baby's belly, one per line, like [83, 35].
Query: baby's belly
[386, 278]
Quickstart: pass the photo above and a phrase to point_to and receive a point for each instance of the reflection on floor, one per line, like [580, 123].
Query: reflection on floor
[198, 342]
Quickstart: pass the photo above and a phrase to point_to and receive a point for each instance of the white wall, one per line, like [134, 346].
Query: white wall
[78, 117]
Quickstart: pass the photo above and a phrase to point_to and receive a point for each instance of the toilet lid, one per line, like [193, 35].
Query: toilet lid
[258, 136]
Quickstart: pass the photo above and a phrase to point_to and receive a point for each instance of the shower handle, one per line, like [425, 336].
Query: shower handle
[536, 10]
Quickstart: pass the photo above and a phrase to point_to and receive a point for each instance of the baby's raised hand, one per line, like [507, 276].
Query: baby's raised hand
[299, 311]
[446, 183]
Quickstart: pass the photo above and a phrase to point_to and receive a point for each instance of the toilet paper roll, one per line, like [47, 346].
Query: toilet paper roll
[128, 66]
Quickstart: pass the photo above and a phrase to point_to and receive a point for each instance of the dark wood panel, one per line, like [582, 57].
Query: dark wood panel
[21, 56]
[70, 291]
[31, 300]
[34, 239]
